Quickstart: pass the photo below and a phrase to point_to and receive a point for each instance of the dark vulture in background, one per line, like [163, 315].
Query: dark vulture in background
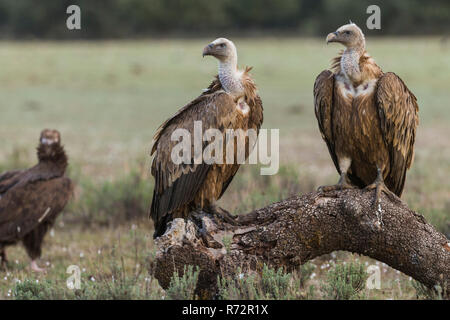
[367, 118]
[230, 102]
[30, 200]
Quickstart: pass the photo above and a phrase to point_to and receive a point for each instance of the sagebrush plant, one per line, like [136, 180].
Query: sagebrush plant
[110, 203]
[35, 290]
[271, 284]
[345, 281]
[183, 288]
[426, 293]
[113, 279]
[227, 240]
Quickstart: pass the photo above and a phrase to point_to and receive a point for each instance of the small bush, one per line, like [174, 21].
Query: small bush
[423, 292]
[112, 280]
[111, 203]
[183, 288]
[272, 284]
[305, 273]
[345, 281]
[34, 290]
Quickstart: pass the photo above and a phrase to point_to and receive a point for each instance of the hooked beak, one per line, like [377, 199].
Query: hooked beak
[332, 37]
[207, 51]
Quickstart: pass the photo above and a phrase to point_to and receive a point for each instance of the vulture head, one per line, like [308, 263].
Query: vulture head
[49, 145]
[222, 49]
[50, 137]
[350, 35]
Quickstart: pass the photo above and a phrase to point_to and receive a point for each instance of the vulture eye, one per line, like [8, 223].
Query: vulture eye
[347, 32]
[222, 45]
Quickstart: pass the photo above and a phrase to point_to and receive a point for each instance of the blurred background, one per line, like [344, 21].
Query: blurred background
[194, 18]
[108, 86]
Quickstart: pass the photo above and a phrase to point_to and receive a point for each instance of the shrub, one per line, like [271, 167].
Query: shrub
[34, 290]
[423, 292]
[111, 203]
[345, 281]
[271, 284]
[183, 288]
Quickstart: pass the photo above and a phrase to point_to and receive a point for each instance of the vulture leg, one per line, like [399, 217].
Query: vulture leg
[209, 241]
[341, 185]
[4, 259]
[379, 187]
[222, 214]
[33, 244]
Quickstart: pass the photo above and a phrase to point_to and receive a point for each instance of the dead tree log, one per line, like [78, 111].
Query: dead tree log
[293, 231]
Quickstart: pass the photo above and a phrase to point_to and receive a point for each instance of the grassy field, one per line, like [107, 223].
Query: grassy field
[107, 99]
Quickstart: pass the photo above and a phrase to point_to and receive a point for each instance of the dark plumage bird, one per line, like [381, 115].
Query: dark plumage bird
[30, 200]
[367, 118]
[230, 102]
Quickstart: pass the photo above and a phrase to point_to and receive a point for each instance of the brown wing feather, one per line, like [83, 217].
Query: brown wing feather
[8, 179]
[41, 171]
[177, 185]
[323, 107]
[26, 206]
[213, 87]
[253, 100]
[398, 111]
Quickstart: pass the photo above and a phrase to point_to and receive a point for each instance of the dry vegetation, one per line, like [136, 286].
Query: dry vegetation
[107, 98]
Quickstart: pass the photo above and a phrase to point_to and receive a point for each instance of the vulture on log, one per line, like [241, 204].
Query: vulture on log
[30, 200]
[230, 103]
[367, 118]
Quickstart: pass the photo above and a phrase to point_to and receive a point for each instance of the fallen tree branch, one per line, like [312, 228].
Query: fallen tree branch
[293, 231]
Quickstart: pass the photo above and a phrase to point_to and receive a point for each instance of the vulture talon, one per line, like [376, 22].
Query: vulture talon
[209, 240]
[379, 186]
[223, 214]
[341, 185]
[36, 268]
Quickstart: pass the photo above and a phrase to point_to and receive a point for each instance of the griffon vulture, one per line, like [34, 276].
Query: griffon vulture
[367, 118]
[230, 102]
[30, 200]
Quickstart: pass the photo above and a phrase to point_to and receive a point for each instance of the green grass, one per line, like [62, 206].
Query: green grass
[107, 99]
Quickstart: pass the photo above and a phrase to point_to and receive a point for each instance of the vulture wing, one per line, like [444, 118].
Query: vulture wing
[25, 206]
[11, 179]
[8, 179]
[398, 112]
[177, 184]
[323, 107]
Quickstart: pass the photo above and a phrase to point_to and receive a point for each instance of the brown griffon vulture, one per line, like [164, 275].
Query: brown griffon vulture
[230, 102]
[367, 118]
[30, 200]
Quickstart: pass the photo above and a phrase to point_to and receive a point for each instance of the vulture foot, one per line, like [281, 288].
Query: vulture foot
[209, 240]
[222, 214]
[341, 185]
[36, 268]
[379, 187]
